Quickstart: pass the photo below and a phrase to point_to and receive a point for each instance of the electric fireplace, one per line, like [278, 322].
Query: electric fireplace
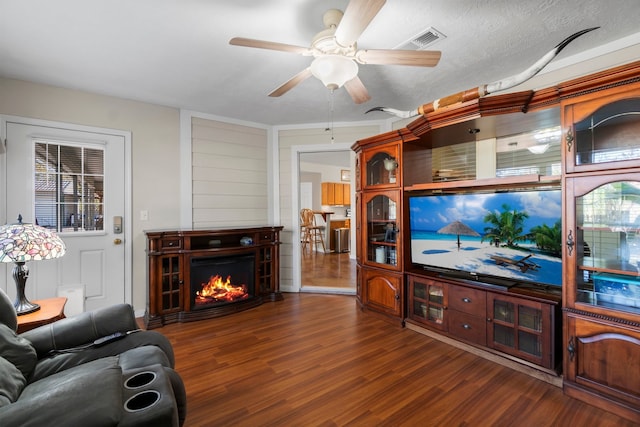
[202, 274]
[221, 280]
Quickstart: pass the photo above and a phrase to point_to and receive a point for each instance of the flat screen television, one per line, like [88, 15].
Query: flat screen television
[503, 238]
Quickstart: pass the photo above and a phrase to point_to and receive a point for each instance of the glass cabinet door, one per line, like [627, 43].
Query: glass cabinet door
[607, 246]
[518, 328]
[427, 301]
[171, 283]
[604, 138]
[381, 167]
[523, 334]
[381, 232]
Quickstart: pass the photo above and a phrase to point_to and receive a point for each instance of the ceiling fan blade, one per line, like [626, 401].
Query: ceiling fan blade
[261, 44]
[357, 16]
[418, 58]
[356, 89]
[291, 83]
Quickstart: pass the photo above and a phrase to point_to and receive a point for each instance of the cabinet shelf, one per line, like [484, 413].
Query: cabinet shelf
[603, 269]
[591, 298]
[379, 243]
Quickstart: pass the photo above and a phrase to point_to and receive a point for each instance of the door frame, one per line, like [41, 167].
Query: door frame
[4, 182]
[296, 252]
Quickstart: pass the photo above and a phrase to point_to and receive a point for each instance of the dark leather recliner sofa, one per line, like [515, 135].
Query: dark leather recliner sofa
[56, 375]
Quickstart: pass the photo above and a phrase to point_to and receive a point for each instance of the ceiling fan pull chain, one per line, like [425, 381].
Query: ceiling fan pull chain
[331, 116]
[329, 127]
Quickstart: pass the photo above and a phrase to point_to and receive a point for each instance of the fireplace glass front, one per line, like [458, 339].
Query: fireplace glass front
[217, 281]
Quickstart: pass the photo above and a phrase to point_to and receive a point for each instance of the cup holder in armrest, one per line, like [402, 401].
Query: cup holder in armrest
[140, 379]
[142, 400]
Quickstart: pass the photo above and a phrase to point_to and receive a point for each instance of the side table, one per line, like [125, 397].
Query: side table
[51, 309]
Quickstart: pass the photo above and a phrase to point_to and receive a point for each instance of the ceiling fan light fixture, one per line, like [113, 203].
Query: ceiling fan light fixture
[334, 70]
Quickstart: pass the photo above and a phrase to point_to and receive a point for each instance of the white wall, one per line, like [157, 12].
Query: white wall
[314, 180]
[328, 173]
[229, 174]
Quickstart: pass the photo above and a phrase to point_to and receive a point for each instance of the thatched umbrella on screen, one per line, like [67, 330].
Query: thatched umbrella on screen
[458, 228]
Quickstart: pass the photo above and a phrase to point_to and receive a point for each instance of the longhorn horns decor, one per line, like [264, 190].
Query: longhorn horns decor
[486, 89]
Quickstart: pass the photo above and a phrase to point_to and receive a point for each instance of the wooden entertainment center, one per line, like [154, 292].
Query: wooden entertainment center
[581, 136]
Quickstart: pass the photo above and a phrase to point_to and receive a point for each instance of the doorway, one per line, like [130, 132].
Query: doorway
[329, 270]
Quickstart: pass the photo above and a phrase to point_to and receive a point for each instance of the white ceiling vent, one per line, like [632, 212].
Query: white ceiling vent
[422, 40]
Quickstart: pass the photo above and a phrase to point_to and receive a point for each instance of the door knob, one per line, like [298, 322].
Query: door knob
[117, 241]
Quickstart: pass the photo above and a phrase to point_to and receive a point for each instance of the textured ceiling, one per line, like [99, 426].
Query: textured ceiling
[176, 52]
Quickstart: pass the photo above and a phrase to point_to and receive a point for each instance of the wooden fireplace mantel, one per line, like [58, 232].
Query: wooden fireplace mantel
[169, 254]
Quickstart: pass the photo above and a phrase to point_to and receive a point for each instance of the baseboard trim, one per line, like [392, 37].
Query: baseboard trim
[328, 290]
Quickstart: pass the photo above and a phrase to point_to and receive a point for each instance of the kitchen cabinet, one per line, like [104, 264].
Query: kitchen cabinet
[336, 194]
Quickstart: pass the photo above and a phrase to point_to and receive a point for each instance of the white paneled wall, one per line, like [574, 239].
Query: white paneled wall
[229, 173]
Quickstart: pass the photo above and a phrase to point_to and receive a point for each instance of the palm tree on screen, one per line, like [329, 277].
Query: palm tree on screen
[507, 227]
[548, 238]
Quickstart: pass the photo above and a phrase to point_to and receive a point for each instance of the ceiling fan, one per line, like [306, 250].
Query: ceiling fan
[335, 52]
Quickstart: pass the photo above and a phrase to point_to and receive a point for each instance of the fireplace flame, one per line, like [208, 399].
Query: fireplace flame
[217, 290]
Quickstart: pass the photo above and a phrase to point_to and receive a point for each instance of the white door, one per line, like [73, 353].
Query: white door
[72, 181]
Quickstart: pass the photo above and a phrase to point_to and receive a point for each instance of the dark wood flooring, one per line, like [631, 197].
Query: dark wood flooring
[317, 360]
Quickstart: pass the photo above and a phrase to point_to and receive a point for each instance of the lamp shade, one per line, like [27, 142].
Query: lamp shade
[334, 70]
[29, 242]
[20, 243]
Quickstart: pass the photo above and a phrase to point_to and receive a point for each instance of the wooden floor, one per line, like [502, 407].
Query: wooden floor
[333, 270]
[317, 360]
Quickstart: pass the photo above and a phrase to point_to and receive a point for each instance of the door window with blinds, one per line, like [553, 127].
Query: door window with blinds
[69, 186]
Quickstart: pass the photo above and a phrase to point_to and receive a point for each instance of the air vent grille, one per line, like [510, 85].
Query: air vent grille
[421, 41]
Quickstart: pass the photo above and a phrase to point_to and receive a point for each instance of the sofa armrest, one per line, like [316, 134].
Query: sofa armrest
[81, 329]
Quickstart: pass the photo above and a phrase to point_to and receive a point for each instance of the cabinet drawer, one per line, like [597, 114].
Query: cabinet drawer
[467, 327]
[266, 236]
[467, 300]
[171, 243]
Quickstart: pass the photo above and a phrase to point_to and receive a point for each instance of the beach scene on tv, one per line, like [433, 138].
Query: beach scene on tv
[513, 235]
